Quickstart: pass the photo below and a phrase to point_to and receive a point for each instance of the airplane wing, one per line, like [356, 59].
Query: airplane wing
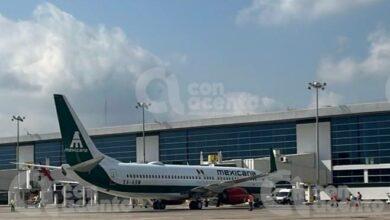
[219, 187]
[216, 188]
[39, 166]
[81, 167]
[67, 182]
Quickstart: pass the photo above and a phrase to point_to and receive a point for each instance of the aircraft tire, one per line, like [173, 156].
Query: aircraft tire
[192, 205]
[158, 205]
[195, 205]
[199, 205]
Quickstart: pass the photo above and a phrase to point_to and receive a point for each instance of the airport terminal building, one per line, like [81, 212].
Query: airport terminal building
[354, 143]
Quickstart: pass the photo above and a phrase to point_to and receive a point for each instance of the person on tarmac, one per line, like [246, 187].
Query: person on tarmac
[250, 200]
[359, 199]
[334, 200]
[12, 205]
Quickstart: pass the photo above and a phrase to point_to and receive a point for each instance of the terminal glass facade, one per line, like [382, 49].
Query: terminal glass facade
[356, 139]
[348, 176]
[7, 156]
[120, 147]
[238, 141]
[361, 139]
[51, 150]
[379, 176]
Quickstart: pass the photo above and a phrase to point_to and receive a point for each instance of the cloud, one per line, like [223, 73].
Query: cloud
[55, 49]
[342, 43]
[54, 52]
[279, 12]
[377, 62]
[326, 98]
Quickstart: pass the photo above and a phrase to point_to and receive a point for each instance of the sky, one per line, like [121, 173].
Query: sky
[189, 59]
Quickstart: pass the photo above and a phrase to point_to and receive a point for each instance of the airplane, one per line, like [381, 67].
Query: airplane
[162, 183]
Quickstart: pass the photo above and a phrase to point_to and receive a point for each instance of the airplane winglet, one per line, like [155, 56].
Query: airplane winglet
[88, 165]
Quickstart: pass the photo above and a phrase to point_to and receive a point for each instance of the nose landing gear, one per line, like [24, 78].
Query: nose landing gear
[158, 205]
[196, 205]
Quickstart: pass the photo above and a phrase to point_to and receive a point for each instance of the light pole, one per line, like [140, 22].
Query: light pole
[317, 86]
[18, 119]
[143, 105]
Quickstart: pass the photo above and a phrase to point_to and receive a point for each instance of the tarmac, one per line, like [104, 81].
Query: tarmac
[376, 210]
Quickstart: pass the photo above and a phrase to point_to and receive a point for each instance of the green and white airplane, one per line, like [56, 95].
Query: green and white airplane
[162, 183]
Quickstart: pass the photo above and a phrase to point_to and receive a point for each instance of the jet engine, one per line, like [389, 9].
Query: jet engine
[233, 196]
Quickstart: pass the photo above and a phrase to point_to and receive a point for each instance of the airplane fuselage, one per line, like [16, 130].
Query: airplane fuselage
[162, 181]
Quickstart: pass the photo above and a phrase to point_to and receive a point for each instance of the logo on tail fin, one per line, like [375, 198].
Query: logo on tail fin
[76, 145]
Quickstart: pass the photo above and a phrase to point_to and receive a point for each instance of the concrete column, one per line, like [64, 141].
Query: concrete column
[91, 193]
[55, 196]
[64, 195]
[310, 193]
[95, 197]
[83, 196]
[366, 176]
[42, 198]
[9, 197]
[28, 177]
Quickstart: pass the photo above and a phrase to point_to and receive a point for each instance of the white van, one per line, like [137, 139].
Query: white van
[284, 196]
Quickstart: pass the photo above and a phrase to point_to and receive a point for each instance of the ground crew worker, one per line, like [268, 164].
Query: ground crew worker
[250, 200]
[359, 199]
[12, 205]
[334, 200]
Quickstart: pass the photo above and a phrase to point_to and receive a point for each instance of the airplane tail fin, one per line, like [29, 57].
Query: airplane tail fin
[272, 161]
[77, 145]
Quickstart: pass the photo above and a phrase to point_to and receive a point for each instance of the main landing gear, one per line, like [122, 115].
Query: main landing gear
[158, 205]
[196, 205]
